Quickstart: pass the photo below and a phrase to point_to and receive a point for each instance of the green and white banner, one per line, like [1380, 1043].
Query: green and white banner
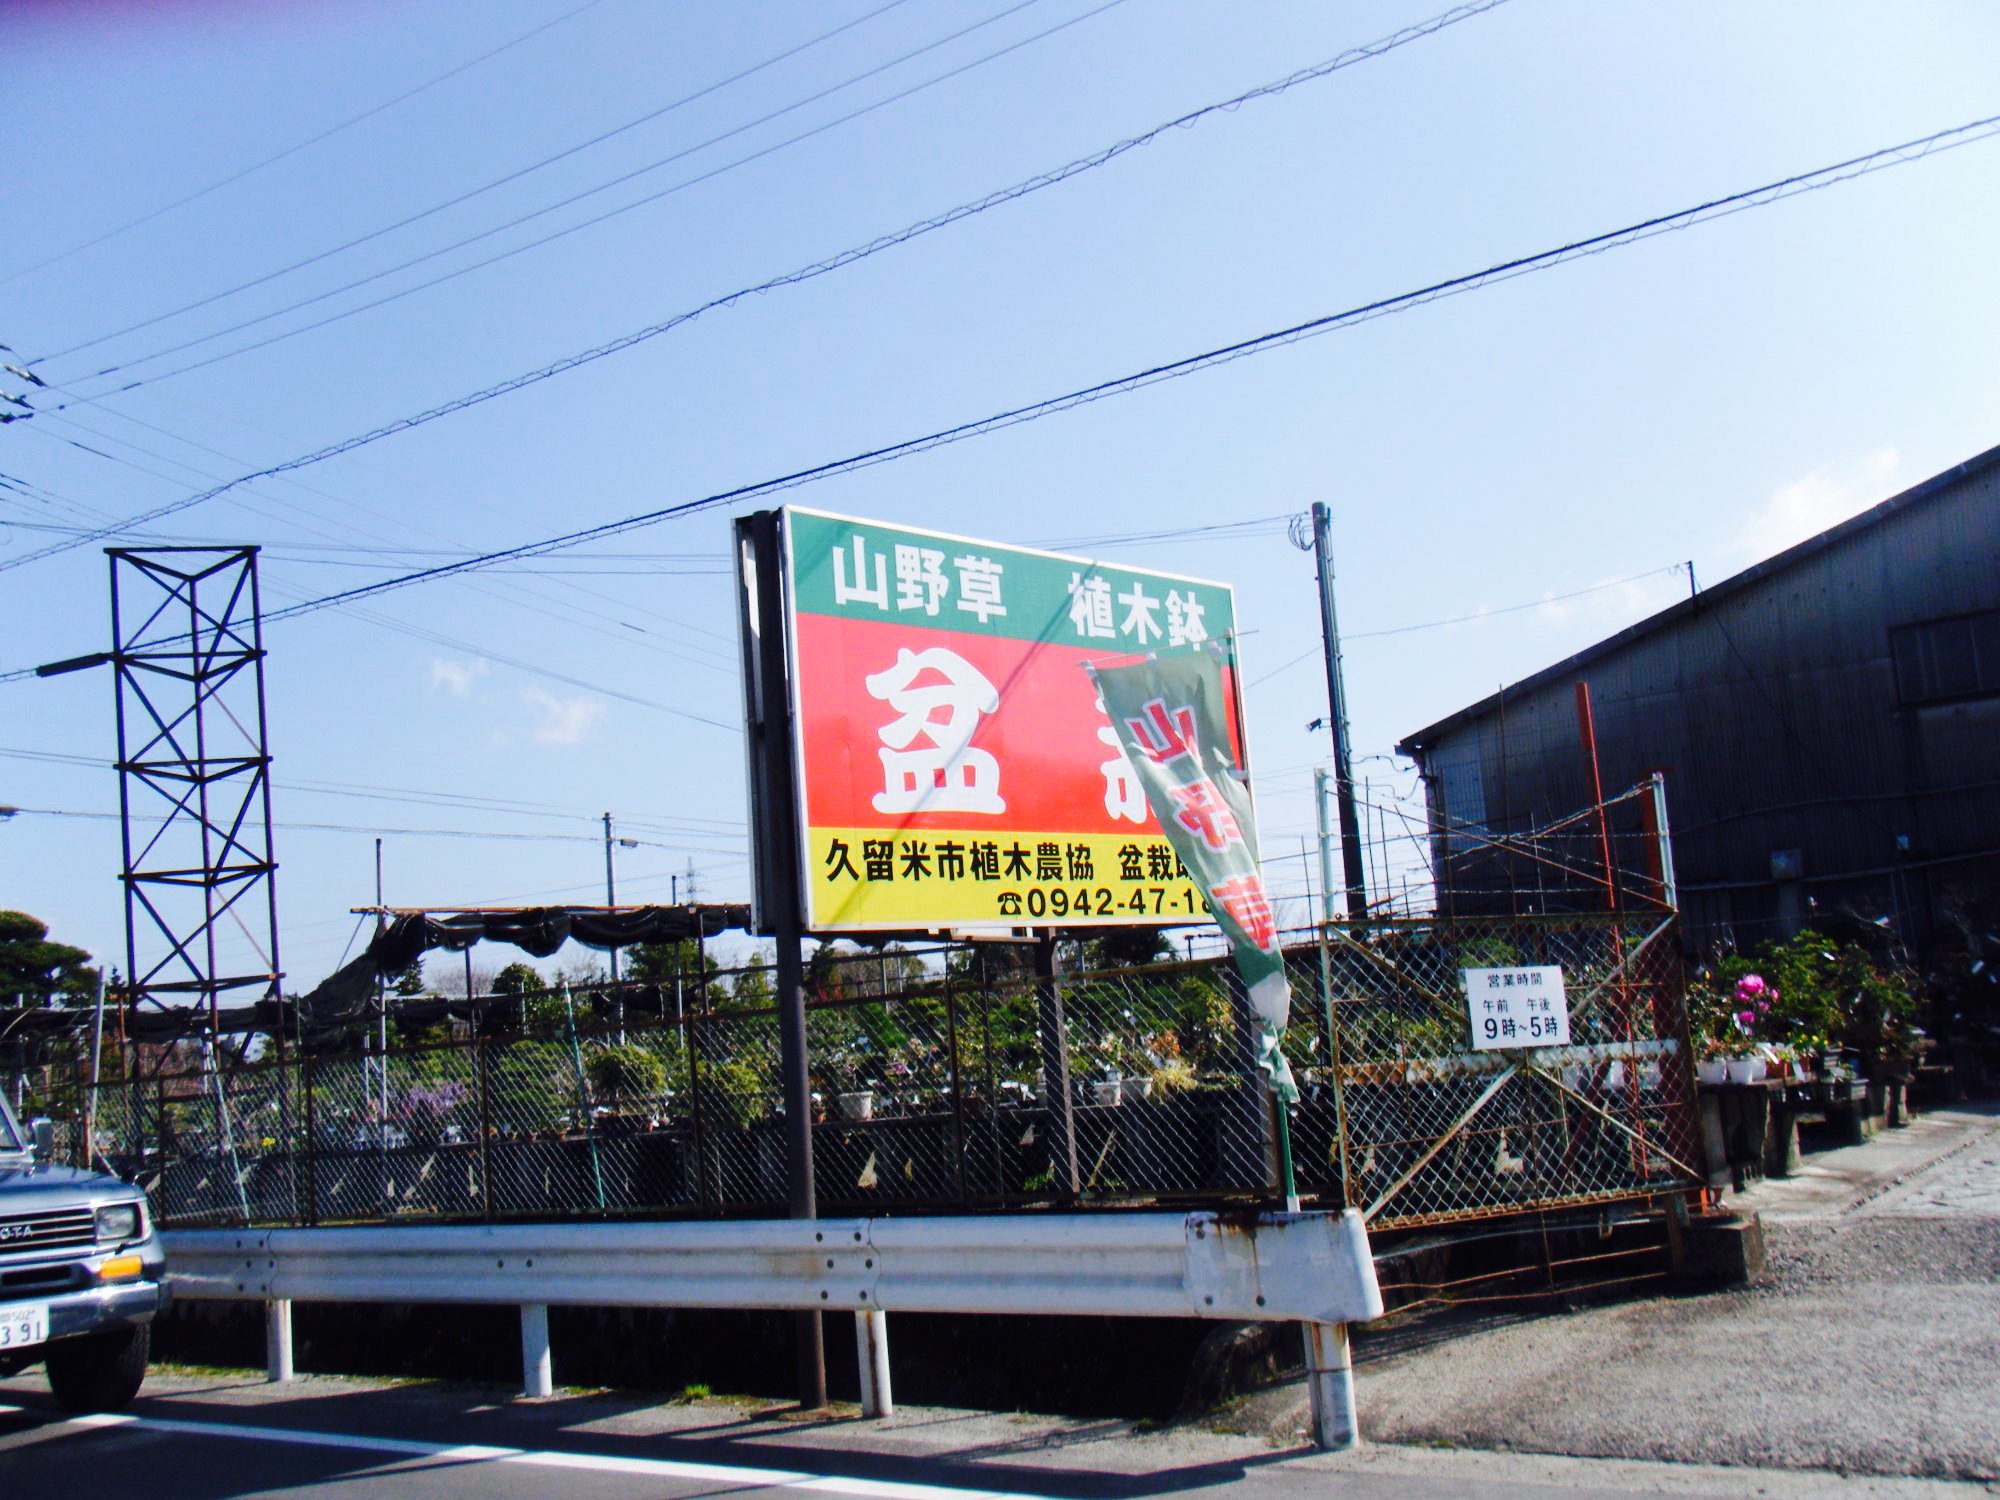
[1173, 716]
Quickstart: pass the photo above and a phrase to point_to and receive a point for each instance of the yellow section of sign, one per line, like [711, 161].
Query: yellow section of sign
[876, 879]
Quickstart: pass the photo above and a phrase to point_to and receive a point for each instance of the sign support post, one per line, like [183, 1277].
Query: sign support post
[769, 724]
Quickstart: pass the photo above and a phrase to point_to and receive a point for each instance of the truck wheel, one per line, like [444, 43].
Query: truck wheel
[100, 1372]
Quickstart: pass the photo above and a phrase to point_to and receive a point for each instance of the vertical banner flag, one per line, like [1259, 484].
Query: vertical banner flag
[1172, 715]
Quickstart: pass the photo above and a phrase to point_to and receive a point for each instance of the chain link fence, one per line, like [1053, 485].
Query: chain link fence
[1406, 1122]
[967, 1077]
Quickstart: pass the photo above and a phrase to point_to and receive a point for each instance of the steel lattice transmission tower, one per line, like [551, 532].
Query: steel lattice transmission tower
[201, 904]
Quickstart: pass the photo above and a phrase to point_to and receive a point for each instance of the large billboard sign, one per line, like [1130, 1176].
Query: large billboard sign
[956, 768]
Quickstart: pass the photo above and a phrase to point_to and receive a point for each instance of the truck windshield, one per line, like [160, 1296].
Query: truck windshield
[10, 1133]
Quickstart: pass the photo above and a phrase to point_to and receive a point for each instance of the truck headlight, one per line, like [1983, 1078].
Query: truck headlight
[119, 1222]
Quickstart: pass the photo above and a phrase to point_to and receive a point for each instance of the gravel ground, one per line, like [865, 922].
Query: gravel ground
[1872, 1348]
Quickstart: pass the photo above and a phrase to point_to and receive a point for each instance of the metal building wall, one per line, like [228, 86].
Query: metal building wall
[1769, 703]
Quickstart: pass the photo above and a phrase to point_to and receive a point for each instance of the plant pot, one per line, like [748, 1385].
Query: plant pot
[1107, 1091]
[1746, 1069]
[1134, 1089]
[1712, 1070]
[859, 1105]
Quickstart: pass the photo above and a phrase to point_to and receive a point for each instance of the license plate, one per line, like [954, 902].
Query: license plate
[22, 1324]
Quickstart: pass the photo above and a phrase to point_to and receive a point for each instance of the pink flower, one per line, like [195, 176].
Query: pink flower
[1749, 987]
[1746, 1018]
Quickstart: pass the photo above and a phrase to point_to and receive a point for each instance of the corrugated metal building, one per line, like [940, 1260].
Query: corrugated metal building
[1827, 724]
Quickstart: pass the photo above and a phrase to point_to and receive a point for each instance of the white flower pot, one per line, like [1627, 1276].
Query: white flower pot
[1134, 1089]
[1712, 1070]
[1107, 1091]
[857, 1106]
[1746, 1069]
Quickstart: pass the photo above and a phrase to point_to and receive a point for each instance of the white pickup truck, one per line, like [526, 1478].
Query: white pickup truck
[81, 1274]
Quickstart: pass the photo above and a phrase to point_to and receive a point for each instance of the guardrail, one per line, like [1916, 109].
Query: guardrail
[1313, 1269]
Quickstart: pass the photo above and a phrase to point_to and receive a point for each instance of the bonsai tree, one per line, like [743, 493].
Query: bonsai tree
[626, 1076]
[734, 1093]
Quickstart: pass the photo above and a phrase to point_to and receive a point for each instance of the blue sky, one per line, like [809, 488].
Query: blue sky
[1560, 441]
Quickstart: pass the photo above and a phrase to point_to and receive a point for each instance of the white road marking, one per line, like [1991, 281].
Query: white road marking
[547, 1458]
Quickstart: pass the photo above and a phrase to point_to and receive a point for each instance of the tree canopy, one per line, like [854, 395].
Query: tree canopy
[37, 972]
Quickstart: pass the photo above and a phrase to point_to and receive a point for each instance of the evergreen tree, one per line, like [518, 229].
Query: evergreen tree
[37, 972]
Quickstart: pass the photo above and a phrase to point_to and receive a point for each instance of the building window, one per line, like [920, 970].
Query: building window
[1938, 661]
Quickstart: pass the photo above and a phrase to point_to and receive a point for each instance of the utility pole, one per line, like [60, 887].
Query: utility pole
[381, 1010]
[1336, 693]
[611, 902]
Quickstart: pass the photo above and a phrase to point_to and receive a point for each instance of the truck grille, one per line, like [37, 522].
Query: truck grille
[57, 1229]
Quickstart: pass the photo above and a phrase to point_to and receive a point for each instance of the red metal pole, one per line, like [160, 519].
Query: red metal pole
[1587, 727]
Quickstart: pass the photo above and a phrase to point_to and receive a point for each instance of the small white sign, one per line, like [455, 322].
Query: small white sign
[1514, 1008]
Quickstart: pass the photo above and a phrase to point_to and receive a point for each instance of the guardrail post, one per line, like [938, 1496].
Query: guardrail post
[537, 1370]
[871, 1345]
[1330, 1382]
[278, 1340]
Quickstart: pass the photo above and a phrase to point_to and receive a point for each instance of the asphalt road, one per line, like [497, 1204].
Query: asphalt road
[204, 1438]
[1869, 1365]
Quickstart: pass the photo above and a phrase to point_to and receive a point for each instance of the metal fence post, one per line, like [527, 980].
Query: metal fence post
[1249, 1153]
[871, 1347]
[992, 1085]
[482, 1063]
[161, 1134]
[695, 1029]
[957, 1088]
[1056, 1090]
[310, 1213]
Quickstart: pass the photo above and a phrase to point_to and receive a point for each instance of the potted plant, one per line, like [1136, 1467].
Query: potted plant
[847, 1073]
[1724, 1013]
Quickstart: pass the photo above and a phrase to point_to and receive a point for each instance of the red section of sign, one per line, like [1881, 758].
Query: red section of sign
[1043, 734]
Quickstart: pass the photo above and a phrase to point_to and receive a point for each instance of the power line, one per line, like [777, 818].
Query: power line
[654, 166]
[563, 233]
[686, 626]
[691, 653]
[665, 825]
[293, 150]
[519, 219]
[679, 847]
[1715, 208]
[885, 242]
[1486, 614]
[1506, 270]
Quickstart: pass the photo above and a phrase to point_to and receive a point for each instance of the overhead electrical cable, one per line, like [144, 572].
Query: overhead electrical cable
[606, 186]
[362, 828]
[1005, 195]
[1715, 208]
[819, 268]
[557, 234]
[294, 150]
[666, 825]
[506, 587]
[1484, 614]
